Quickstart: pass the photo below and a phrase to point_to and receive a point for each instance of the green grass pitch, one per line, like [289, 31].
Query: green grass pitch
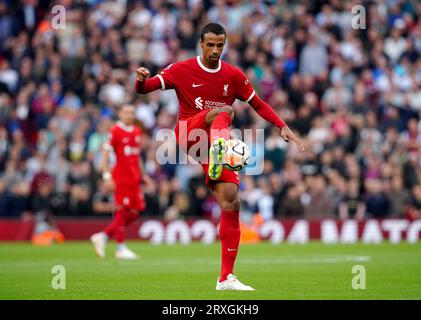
[311, 271]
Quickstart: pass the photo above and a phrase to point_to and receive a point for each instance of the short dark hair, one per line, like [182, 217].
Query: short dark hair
[124, 105]
[212, 27]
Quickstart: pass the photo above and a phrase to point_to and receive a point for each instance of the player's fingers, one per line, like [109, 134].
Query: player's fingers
[145, 71]
[298, 143]
[300, 146]
[142, 73]
[141, 77]
[284, 136]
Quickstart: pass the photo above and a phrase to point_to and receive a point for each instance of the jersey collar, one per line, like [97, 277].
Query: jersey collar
[124, 127]
[207, 69]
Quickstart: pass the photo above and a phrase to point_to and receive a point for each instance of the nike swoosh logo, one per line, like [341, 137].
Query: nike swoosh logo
[196, 85]
[232, 249]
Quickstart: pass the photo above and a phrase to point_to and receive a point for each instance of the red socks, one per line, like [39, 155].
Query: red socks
[122, 218]
[229, 228]
[130, 217]
[117, 222]
[229, 233]
[220, 126]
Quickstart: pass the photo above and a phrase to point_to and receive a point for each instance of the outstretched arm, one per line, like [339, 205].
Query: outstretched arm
[145, 85]
[267, 113]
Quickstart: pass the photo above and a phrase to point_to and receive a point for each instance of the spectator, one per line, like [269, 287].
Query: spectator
[337, 96]
[395, 45]
[102, 201]
[291, 206]
[377, 204]
[318, 135]
[410, 171]
[313, 59]
[352, 206]
[80, 189]
[265, 202]
[411, 137]
[96, 140]
[180, 207]
[3, 198]
[414, 208]
[399, 198]
[4, 147]
[42, 201]
[321, 203]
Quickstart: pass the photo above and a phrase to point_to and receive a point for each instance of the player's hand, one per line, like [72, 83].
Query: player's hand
[149, 185]
[142, 74]
[147, 180]
[287, 135]
[109, 185]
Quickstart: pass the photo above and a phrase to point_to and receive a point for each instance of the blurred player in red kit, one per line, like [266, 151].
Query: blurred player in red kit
[206, 88]
[125, 179]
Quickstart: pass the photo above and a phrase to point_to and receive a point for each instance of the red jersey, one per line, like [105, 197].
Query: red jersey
[199, 88]
[126, 141]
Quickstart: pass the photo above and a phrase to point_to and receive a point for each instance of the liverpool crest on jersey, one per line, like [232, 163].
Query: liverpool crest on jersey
[225, 90]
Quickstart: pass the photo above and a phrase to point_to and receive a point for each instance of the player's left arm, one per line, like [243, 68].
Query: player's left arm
[246, 93]
[267, 113]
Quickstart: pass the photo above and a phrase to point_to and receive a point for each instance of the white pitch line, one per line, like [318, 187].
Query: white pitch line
[257, 261]
[314, 259]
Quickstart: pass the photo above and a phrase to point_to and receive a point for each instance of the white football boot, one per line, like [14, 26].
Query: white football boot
[232, 283]
[99, 241]
[125, 253]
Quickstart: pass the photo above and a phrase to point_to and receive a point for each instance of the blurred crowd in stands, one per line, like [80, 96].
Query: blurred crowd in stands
[353, 95]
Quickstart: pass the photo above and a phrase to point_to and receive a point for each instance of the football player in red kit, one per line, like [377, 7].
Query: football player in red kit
[124, 179]
[206, 88]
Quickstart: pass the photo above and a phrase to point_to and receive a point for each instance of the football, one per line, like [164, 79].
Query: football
[236, 156]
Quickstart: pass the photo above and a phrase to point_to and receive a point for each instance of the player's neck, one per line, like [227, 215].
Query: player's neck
[209, 64]
[126, 127]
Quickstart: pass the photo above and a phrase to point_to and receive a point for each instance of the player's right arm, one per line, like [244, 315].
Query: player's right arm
[145, 85]
[105, 165]
[165, 80]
